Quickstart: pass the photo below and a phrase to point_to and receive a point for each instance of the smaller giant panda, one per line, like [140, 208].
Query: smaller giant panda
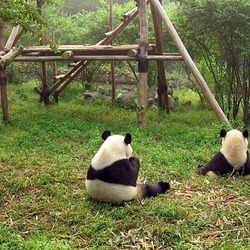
[232, 159]
[112, 175]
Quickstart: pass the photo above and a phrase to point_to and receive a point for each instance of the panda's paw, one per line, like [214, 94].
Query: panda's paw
[199, 170]
[164, 186]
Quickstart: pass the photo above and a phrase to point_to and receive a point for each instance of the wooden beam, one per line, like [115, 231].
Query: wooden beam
[11, 40]
[3, 80]
[10, 56]
[83, 64]
[112, 62]
[162, 90]
[91, 58]
[142, 64]
[82, 48]
[189, 62]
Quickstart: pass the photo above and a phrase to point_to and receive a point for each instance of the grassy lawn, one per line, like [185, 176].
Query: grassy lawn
[44, 157]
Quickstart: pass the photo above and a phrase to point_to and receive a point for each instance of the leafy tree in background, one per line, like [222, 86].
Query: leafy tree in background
[217, 34]
[15, 12]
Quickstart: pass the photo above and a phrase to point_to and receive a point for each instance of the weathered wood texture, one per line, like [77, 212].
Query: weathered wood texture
[10, 56]
[189, 62]
[12, 38]
[62, 83]
[165, 56]
[3, 80]
[162, 90]
[143, 64]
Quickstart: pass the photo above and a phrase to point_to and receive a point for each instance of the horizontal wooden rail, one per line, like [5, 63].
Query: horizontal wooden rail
[91, 57]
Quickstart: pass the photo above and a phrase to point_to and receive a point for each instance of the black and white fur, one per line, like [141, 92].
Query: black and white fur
[113, 173]
[233, 157]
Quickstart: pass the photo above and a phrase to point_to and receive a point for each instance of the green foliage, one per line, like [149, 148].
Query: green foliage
[217, 36]
[19, 12]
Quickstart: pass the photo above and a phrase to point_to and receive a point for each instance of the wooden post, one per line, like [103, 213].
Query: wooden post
[3, 80]
[112, 66]
[45, 92]
[142, 64]
[54, 66]
[162, 91]
[189, 62]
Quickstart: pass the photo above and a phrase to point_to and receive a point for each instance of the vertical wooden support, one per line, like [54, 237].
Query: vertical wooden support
[54, 66]
[112, 66]
[3, 80]
[189, 62]
[45, 91]
[162, 91]
[142, 64]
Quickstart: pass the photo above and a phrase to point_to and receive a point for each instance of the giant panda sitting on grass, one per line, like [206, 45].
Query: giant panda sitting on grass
[232, 159]
[113, 173]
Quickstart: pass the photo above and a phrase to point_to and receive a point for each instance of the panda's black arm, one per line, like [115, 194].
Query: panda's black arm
[135, 162]
[218, 164]
[120, 172]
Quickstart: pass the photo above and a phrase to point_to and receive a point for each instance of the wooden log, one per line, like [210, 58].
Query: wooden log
[91, 58]
[83, 64]
[133, 52]
[3, 80]
[83, 48]
[68, 54]
[143, 65]
[59, 77]
[118, 29]
[112, 63]
[189, 62]
[12, 38]
[125, 16]
[162, 90]
[10, 56]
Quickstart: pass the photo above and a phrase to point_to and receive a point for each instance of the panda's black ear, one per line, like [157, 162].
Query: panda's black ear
[223, 133]
[128, 138]
[245, 133]
[106, 134]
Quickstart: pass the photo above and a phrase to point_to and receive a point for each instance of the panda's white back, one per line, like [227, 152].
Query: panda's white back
[234, 148]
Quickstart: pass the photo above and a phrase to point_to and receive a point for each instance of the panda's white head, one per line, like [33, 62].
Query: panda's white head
[114, 148]
[234, 146]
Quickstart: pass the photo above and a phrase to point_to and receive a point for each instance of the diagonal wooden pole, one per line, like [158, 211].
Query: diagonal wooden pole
[62, 83]
[189, 62]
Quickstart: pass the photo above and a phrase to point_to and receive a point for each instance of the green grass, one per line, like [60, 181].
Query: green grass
[44, 156]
